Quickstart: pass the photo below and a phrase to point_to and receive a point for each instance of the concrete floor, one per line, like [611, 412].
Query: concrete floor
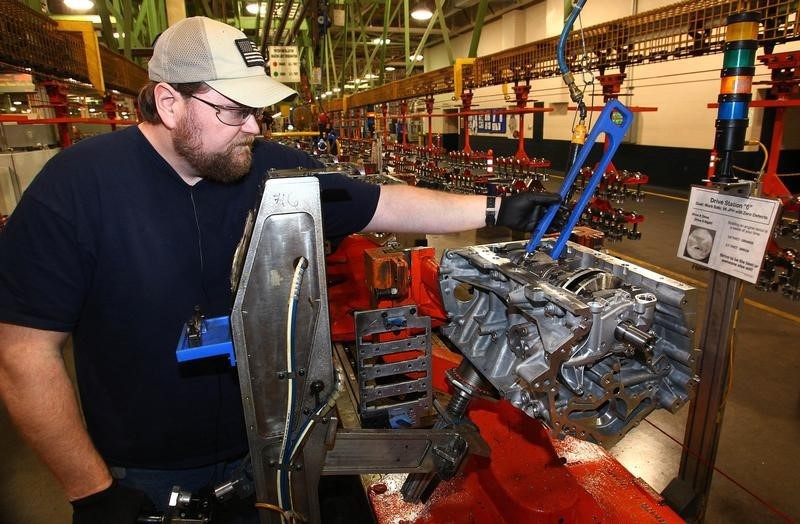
[760, 443]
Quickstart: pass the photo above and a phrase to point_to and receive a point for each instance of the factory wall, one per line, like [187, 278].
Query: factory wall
[670, 144]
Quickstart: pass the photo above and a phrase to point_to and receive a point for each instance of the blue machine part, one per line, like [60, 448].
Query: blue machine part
[216, 340]
[736, 110]
[614, 121]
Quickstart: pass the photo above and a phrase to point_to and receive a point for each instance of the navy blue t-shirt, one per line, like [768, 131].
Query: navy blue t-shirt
[109, 243]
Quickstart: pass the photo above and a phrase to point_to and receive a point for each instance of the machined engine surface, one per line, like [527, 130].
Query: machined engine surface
[588, 343]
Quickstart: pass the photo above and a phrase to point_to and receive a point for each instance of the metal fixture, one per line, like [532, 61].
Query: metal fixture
[422, 11]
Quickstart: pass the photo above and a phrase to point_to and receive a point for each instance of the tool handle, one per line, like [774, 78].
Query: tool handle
[614, 121]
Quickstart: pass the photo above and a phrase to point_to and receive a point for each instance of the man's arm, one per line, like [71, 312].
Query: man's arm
[42, 403]
[406, 209]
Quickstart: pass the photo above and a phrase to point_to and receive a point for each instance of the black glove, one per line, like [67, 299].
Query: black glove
[522, 211]
[116, 504]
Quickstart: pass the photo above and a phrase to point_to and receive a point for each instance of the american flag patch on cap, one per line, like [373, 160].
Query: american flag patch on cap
[250, 53]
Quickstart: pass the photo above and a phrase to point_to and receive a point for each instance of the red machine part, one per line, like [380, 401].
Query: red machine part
[528, 478]
[364, 275]
[785, 82]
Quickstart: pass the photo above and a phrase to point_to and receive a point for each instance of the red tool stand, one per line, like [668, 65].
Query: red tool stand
[785, 87]
[615, 183]
[785, 82]
[529, 478]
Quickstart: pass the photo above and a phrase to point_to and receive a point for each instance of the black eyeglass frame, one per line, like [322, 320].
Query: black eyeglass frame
[256, 112]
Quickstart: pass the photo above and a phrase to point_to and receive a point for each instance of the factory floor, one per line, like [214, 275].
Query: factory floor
[759, 450]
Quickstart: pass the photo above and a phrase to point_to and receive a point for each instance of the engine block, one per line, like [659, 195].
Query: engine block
[588, 343]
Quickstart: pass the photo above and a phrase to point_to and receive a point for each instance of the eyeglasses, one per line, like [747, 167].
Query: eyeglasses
[234, 115]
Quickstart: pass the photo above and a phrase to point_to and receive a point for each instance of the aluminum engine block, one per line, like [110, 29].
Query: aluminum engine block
[589, 344]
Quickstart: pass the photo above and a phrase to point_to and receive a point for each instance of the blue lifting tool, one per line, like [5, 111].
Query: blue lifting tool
[614, 121]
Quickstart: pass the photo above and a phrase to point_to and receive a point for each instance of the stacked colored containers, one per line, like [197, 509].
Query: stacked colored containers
[741, 43]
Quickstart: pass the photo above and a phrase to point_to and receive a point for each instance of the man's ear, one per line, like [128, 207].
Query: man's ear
[169, 104]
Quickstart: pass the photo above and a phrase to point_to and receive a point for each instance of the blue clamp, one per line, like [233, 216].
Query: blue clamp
[216, 340]
[615, 128]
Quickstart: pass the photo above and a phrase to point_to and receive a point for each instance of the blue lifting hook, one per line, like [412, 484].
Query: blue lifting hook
[614, 121]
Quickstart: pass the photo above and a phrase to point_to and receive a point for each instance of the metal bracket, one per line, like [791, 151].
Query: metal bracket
[389, 395]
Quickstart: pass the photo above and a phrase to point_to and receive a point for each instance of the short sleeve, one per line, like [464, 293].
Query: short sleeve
[347, 204]
[43, 272]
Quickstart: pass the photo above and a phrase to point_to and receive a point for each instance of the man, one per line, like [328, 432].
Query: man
[121, 235]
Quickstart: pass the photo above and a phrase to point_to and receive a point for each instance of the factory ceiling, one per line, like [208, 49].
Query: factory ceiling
[341, 42]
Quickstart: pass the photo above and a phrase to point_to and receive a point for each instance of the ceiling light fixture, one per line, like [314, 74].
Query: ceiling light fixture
[79, 5]
[417, 58]
[421, 11]
[389, 68]
[380, 41]
[254, 8]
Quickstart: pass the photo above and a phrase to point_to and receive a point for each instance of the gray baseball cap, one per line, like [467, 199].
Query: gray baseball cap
[199, 49]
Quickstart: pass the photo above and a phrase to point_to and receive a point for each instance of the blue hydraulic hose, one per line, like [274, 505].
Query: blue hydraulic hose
[562, 41]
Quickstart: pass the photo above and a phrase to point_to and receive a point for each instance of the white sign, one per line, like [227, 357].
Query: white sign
[284, 63]
[727, 233]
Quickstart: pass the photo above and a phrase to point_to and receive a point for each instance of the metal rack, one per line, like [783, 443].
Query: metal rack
[31, 40]
[683, 30]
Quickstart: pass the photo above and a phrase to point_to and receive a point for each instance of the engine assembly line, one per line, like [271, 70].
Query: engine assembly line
[497, 379]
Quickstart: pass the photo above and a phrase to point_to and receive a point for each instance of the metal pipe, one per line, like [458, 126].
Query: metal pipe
[267, 23]
[282, 24]
[298, 21]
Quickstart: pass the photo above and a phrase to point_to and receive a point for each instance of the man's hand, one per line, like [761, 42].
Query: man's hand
[116, 504]
[522, 211]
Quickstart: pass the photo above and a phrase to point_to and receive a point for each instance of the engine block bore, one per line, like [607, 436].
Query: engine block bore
[589, 344]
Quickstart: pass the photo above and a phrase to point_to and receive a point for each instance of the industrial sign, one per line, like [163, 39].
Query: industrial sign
[284, 63]
[493, 123]
[727, 233]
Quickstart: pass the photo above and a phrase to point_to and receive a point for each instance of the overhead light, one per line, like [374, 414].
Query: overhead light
[254, 8]
[17, 103]
[79, 5]
[380, 41]
[417, 58]
[323, 95]
[421, 11]
[329, 93]
[389, 68]
[337, 90]
[370, 76]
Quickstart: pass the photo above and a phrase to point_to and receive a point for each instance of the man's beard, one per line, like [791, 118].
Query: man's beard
[226, 167]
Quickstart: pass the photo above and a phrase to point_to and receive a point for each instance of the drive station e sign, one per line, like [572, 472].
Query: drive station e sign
[726, 232]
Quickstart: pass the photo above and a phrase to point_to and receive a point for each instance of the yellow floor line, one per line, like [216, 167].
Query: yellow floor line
[682, 199]
[697, 283]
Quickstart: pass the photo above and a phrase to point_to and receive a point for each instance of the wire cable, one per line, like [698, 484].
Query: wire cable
[763, 502]
[282, 474]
